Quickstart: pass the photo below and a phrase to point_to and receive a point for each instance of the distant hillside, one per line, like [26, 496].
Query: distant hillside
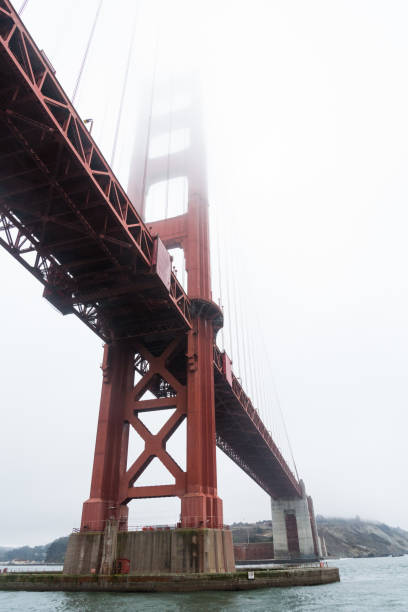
[49, 553]
[357, 538]
[56, 550]
[24, 553]
[252, 532]
[344, 537]
[3, 550]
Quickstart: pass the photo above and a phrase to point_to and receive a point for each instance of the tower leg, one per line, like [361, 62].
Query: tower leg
[200, 506]
[111, 442]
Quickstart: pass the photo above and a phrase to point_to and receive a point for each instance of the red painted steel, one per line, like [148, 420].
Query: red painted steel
[64, 216]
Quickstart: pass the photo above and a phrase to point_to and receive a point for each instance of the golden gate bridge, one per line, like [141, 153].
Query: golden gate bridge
[101, 256]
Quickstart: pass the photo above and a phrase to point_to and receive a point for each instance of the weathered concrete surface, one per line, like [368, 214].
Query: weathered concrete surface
[151, 552]
[109, 548]
[84, 553]
[323, 547]
[237, 581]
[301, 540]
[177, 551]
[280, 507]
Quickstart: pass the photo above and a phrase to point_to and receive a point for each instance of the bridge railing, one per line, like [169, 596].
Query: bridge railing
[191, 520]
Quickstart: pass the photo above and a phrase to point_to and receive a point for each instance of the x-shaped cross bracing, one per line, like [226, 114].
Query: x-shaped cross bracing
[155, 444]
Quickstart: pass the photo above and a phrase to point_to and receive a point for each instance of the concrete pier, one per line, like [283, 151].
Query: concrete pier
[237, 581]
[294, 528]
[187, 551]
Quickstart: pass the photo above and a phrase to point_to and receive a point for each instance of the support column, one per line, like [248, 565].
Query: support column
[200, 506]
[111, 442]
[316, 539]
[293, 528]
[323, 546]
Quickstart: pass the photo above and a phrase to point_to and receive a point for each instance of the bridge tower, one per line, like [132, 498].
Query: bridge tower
[174, 109]
[176, 368]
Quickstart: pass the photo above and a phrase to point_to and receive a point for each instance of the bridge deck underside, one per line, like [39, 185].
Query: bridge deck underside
[243, 437]
[63, 213]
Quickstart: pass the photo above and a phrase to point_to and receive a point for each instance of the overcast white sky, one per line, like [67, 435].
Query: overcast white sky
[306, 104]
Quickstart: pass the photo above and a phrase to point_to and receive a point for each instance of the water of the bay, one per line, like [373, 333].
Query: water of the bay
[367, 585]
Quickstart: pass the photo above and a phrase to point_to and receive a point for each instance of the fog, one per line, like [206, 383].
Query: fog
[304, 108]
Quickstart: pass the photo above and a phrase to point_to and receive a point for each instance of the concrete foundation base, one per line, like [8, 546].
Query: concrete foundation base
[238, 581]
[294, 528]
[185, 551]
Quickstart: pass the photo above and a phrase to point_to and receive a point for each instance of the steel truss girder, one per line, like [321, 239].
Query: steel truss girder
[240, 461]
[15, 239]
[35, 104]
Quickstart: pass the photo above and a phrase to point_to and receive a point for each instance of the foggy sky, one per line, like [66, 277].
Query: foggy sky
[307, 135]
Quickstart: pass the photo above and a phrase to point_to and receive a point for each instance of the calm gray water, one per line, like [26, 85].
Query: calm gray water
[366, 585]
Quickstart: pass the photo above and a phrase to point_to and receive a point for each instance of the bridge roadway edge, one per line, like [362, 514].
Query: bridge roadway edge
[171, 583]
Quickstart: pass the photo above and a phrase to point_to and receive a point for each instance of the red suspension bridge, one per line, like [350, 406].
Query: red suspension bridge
[67, 220]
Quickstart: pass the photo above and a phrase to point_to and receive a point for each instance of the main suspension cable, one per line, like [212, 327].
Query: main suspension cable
[85, 56]
[170, 127]
[22, 7]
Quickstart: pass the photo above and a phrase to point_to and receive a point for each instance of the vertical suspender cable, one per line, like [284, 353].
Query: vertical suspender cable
[253, 356]
[217, 229]
[250, 357]
[243, 345]
[124, 87]
[149, 124]
[254, 362]
[280, 408]
[266, 409]
[243, 334]
[229, 309]
[171, 92]
[236, 326]
[286, 431]
[74, 93]
[258, 375]
[266, 387]
[249, 383]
